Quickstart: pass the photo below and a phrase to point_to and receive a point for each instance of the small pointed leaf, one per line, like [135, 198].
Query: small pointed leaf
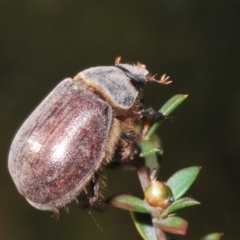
[143, 223]
[181, 181]
[128, 202]
[181, 203]
[167, 109]
[173, 224]
[213, 236]
[148, 148]
[173, 103]
[153, 161]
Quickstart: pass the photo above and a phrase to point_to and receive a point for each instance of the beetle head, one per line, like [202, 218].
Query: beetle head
[136, 73]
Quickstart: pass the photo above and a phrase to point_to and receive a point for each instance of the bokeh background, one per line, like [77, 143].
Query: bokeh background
[196, 42]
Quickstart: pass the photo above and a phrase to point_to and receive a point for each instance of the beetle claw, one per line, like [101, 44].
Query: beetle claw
[128, 143]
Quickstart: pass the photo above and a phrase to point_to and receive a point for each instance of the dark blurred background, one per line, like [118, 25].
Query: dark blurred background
[196, 42]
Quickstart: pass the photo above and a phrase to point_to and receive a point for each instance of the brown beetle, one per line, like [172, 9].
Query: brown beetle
[76, 130]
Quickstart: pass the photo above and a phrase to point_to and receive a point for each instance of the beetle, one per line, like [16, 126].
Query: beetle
[76, 130]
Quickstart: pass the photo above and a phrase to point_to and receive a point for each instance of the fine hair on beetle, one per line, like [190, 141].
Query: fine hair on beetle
[122, 135]
[76, 131]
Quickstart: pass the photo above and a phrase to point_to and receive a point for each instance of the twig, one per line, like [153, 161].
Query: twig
[144, 177]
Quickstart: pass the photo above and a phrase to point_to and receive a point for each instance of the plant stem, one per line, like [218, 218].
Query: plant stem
[144, 177]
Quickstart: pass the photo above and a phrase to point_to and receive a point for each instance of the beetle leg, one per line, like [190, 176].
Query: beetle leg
[95, 188]
[94, 192]
[128, 144]
[157, 116]
[149, 112]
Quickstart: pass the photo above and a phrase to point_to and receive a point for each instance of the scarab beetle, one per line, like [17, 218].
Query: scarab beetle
[75, 130]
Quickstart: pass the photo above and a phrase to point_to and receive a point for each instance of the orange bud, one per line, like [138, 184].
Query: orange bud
[157, 194]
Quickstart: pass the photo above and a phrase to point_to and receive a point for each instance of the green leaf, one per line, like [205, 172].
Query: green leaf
[148, 148]
[143, 223]
[213, 236]
[173, 224]
[181, 203]
[172, 104]
[167, 109]
[128, 202]
[153, 161]
[181, 181]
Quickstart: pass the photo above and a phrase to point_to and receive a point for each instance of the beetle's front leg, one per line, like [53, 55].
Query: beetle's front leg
[148, 117]
[156, 116]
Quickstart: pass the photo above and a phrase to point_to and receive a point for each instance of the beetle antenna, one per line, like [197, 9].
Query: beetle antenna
[165, 80]
[117, 60]
[140, 65]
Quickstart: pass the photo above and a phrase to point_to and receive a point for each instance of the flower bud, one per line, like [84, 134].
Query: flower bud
[157, 194]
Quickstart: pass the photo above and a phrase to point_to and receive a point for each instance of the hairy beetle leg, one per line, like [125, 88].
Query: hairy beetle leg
[93, 195]
[128, 144]
[156, 116]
